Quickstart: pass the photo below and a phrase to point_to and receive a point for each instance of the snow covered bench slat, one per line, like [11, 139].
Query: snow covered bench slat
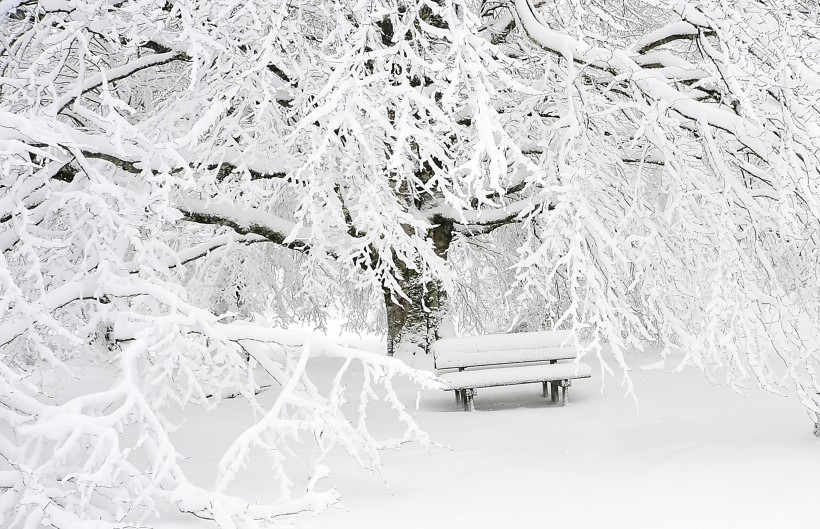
[508, 376]
[512, 356]
[501, 342]
[508, 359]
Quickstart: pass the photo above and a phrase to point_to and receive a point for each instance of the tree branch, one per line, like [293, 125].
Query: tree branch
[117, 73]
[244, 221]
[651, 83]
[680, 30]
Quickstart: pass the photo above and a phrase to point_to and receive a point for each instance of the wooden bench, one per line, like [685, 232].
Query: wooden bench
[508, 359]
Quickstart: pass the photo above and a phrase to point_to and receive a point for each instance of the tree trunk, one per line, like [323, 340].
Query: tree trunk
[413, 322]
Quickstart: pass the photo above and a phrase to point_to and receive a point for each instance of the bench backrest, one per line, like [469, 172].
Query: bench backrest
[499, 349]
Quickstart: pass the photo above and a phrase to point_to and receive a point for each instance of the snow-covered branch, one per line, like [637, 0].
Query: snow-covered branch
[245, 221]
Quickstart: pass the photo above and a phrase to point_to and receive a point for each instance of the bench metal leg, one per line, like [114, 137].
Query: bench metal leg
[544, 389]
[468, 399]
[565, 385]
[554, 392]
[458, 396]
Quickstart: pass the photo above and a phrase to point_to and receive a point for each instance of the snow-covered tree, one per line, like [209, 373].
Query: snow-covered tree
[180, 178]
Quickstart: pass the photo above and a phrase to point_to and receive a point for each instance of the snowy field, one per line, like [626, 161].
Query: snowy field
[696, 455]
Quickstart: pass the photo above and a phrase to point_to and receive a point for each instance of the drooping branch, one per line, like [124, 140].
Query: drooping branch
[651, 82]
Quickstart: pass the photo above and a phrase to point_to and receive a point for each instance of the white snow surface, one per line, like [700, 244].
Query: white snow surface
[696, 456]
[501, 376]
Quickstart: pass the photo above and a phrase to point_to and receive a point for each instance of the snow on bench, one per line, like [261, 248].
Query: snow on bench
[511, 356]
[509, 376]
[508, 359]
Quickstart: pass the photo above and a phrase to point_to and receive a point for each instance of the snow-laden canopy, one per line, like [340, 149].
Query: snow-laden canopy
[179, 179]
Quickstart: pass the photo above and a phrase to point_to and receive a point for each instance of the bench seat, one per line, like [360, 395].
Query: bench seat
[486, 378]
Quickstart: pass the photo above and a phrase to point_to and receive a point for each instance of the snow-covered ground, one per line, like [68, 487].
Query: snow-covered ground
[696, 455]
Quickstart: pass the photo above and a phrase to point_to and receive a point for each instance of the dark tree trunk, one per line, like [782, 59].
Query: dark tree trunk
[414, 321]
